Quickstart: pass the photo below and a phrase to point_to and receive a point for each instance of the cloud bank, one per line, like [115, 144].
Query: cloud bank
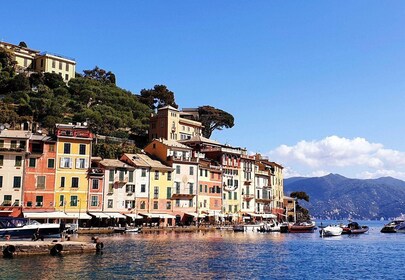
[355, 157]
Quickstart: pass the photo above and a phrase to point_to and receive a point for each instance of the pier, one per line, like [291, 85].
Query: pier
[11, 248]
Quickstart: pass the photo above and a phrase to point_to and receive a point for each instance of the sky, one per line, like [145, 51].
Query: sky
[318, 86]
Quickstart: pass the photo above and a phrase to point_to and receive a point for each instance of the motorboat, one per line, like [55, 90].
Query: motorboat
[354, 228]
[392, 226]
[331, 230]
[302, 227]
[133, 230]
[11, 227]
[270, 226]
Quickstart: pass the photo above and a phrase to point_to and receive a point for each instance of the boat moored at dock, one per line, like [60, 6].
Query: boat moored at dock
[11, 227]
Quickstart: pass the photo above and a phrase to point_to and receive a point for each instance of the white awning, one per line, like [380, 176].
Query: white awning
[114, 215]
[255, 215]
[269, 216]
[161, 216]
[192, 214]
[167, 216]
[80, 216]
[99, 215]
[134, 216]
[45, 215]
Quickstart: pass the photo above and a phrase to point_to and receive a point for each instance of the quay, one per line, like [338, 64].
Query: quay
[11, 248]
[146, 229]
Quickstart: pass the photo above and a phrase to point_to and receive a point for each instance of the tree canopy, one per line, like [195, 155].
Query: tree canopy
[101, 75]
[213, 118]
[300, 195]
[158, 97]
[302, 212]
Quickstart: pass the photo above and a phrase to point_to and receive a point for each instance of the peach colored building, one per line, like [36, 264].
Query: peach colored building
[39, 181]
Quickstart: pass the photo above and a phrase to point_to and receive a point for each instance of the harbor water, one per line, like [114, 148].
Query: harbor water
[224, 255]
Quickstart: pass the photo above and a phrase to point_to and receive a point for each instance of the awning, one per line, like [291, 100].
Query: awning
[115, 215]
[80, 216]
[99, 215]
[269, 216]
[160, 216]
[168, 216]
[45, 215]
[134, 216]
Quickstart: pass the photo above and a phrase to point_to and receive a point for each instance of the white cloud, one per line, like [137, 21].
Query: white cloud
[353, 157]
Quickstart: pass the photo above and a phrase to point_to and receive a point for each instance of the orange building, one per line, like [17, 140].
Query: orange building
[39, 182]
[210, 188]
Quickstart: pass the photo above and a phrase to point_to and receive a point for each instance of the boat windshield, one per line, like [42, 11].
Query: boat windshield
[12, 222]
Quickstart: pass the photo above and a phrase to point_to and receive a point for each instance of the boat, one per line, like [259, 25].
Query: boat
[392, 226]
[270, 226]
[133, 230]
[331, 230]
[11, 227]
[354, 228]
[238, 228]
[302, 227]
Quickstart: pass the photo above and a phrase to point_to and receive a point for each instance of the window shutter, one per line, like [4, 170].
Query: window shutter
[86, 163]
[70, 163]
[77, 163]
[62, 161]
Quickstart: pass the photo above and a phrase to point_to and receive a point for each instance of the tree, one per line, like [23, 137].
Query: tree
[213, 118]
[23, 44]
[302, 213]
[101, 75]
[53, 80]
[158, 97]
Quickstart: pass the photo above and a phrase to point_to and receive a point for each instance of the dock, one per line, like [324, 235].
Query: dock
[11, 248]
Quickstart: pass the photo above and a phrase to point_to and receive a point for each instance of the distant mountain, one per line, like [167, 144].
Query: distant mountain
[337, 197]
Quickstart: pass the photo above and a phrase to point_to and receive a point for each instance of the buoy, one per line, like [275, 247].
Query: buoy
[57, 249]
[9, 251]
[99, 246]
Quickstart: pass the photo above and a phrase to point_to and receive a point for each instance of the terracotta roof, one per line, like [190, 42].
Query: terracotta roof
[173, 144]
[198, 138]
[143, 160]
[15, 134]
[115, 163]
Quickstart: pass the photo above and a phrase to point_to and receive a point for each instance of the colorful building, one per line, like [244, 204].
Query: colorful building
[13, 152]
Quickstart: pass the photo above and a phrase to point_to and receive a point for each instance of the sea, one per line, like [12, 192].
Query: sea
[224, 254]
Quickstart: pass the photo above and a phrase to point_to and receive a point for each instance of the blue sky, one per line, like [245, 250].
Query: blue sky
[316, 85]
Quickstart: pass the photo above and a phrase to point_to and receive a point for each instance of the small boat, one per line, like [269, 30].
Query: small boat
[302, 227]
[331, 230]
[11, 227]
[238, 228]
[354, 228]
[270, 226]
[133, 230]
[392, 226]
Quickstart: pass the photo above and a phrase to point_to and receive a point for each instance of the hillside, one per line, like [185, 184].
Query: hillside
[337, 197]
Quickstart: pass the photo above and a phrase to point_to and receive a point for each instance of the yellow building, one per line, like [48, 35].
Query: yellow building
[171, 124]
[277, 185]
[73, 157]
[33, 60]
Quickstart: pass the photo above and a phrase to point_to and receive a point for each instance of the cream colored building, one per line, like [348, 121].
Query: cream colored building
[32, 60]
[169, 123]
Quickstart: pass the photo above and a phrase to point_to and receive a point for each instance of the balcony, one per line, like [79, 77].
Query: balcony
[13, 149]
[181, 158]
[230, 188]
[264, 200]
[248, 197]
[74, 133]
[96, 172]
[120, 180]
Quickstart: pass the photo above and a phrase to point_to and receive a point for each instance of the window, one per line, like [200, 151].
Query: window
[190, 203]
[206, 173]
[143, 188]
[235, 195]
[205, 203]
[7, 200]
[73, 200]
[67, 67]
[65, 162]
[143, 205]
[13, 144]
[61, 200]
[156, 175]
[177, 202]
[156, 192]
[111, 188]
[18, 161]
[1, 181]
[53, 63]
[143, 174]
[62, 182]
[94, 184]
[191, 186]
[155, 205]
[131, 176]
[121, 176]
[110, 203]
[94, 200]
[177, 169]
[235, 207]
[177, 187]
[1, 143]
[201, 189]
[75, 182]
[111, 176]
[17, 182]
[81, 163]
[130, 188]
[39, 201]
[82, 149]
[201, 172]
[168, 205]
[191, 170]
[169, 176]
[22, 144]
[42, 62]
[230, 208]
[130, 204]
[51, 163]
[60, 65]
[32, 162]
[206, 188]
[51, 148]
[169, 192]
[66, 148]
[230, 195]
[40, 182]
[1, 160]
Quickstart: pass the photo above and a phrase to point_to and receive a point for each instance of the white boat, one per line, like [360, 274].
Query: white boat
[11, 227]
[331, 230]
[133, 230]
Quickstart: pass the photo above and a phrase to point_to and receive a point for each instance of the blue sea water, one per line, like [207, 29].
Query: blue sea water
[224, 255]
